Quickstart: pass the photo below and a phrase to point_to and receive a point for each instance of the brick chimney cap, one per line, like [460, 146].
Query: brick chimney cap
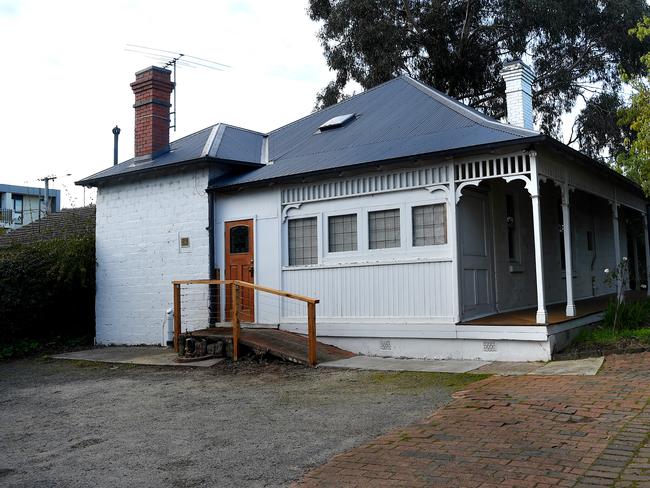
[153, 68]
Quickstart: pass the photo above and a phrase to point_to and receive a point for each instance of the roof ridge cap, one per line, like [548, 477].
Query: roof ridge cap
[467, 111]
[187, 135]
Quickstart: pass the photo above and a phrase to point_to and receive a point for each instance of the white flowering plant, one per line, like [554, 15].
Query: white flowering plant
[618, 277]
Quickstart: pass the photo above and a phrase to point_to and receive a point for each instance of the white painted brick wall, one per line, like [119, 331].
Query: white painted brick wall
[138, 252]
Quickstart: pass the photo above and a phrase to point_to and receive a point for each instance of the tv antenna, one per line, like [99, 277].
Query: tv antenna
[172, 59]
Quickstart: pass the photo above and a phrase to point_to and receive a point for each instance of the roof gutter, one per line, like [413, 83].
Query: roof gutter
[525, 141]
[89, 182]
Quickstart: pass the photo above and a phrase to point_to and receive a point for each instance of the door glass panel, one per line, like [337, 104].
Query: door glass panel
[239, 240]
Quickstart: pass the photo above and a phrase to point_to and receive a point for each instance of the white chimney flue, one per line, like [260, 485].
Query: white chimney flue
[519, 94]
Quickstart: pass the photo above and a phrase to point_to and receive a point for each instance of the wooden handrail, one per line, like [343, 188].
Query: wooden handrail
[273, 291]
[246, 284]
[311, 312]
[202, 282]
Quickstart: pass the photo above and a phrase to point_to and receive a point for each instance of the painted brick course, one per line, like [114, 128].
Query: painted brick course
[138, 253]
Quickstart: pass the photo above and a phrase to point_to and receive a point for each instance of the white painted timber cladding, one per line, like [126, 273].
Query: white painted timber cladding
[392, 292]
[138, 253]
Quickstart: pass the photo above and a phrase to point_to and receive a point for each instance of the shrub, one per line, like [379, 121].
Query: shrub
[47, 290]
[631, 315]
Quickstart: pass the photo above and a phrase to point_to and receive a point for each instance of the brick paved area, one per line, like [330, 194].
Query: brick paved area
[525, 431]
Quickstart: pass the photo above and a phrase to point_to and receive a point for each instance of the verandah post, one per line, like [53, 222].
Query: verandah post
[177, 315]
[235, 321]
[311, 333]
[542, 316]
[617, 249]
[568, 257]
[646, 240]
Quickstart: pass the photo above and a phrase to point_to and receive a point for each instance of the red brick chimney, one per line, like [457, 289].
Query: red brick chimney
[152, 88]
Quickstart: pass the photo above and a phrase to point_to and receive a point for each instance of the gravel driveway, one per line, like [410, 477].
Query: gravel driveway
[75, 424]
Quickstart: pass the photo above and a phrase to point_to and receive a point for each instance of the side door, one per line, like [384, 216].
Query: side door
[240, 265]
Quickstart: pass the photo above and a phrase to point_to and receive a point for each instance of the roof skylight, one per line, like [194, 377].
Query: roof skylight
[336, 122]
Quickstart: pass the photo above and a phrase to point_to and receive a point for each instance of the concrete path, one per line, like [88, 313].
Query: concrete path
[143, 355]
[395, 364]
[162, 356]
[578, 367]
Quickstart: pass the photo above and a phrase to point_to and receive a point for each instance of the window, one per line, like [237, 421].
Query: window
[342, 233]
[511, 222]
[429, 225]
[303, 242]
[18, 209]
[239, 240]
[18, 203]
[383, 229]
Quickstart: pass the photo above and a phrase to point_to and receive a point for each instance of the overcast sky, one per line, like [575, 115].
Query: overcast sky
[65, 76]
[66, 72]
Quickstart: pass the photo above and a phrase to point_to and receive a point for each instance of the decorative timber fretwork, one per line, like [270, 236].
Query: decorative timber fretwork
[495, 167]
[583, 178]
[364, 185]
[454, 176]
[517, 166]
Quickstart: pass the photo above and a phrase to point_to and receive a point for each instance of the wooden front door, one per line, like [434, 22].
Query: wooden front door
[240, 262]
[477, 280]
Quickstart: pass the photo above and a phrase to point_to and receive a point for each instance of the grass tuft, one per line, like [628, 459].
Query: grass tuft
[420, 381]
[604, 336]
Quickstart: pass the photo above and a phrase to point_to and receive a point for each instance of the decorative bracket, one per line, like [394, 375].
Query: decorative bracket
[463, 185]
[528, 183]
[285, 210]
[435, 188]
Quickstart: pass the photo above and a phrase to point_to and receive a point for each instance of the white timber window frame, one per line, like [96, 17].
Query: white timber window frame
[362, 206]
[417, 229]
[314, 249]
[326, 242]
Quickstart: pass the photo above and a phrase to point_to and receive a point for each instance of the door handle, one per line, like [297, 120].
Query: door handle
[252, 269]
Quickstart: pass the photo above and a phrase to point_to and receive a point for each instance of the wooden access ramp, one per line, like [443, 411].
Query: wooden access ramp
[279, 343]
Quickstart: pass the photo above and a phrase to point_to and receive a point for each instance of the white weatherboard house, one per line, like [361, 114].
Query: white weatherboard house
[425, 228]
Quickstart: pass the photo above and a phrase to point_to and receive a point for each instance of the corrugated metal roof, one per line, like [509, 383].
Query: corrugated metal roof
[217, 143]
[399, 118]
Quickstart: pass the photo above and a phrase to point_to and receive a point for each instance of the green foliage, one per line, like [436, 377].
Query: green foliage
[605, 336]
[600, 134]
[21, 347]
[459, 47]
[47, 290]
[635, 163]
[627, 315]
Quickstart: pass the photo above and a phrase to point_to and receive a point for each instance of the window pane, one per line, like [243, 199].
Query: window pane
[342, 233]
[303, 242]
[239, 239]
[384, 229]
[429, 225]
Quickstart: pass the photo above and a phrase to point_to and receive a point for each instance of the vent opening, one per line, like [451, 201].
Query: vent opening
[336, 122]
